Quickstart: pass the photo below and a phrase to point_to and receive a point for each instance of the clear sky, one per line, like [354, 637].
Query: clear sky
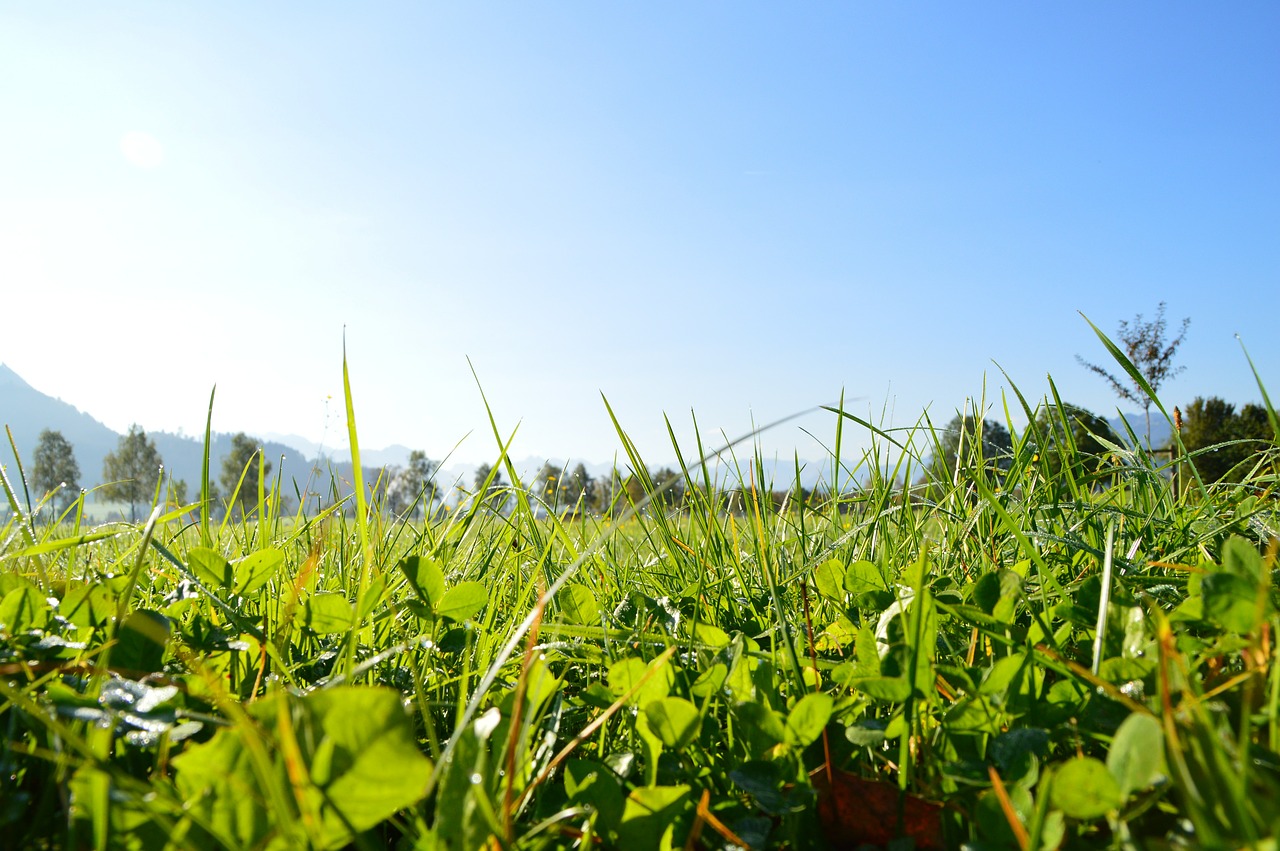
[739, 209]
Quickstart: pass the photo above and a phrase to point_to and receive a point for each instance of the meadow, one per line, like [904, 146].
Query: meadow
[1049, 649]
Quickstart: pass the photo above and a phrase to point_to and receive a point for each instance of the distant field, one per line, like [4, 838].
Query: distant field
[1037, 650]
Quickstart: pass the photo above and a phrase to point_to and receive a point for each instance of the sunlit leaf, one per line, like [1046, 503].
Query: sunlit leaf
[1083, 788]
[211, 568]
[579, 604]
[828, 578]
[256, 570]
[650, 813]
[674, 720]
[808, 718]
[463, 601]
[328, 613]
[863, 576]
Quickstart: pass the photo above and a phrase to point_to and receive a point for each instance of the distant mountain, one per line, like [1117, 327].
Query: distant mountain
[305, 467]
[1161, 433]
[27, 412]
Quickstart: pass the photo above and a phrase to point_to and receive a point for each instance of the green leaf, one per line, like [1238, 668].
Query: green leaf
[828, 578]
[86, 605]
[425, 576]
[1000, 675]
[463, 601]
[328, 613]
[623, 675]
[591, 784]
[763, 727]
[1136, 759]
[712, 636]
[211, 568]
[650, 813]
[579, 604]
[863, 576]
[463, 795]
[1240, 558]
[710, 681]
[142, 640]
[808, 718]
[868, 652]
[256, 570]
[674, 720]
[360, 766]
[1083, 788]
[22, 609]
[886, 689]
[1231, 601]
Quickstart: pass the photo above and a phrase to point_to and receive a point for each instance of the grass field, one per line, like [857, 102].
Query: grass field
[1043, 650]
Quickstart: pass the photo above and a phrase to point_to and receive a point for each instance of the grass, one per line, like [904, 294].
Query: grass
[1043, 650]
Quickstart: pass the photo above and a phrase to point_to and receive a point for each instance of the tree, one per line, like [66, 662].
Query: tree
[495, 494]
[1224, 438]
[414, 482]
[579, 489]
[669, 487]
[1145, 345]
[55, 468]
[959, 448]
[608, 493]
[1072, 435]
[244, 459]
[548, 485]
[131, 472]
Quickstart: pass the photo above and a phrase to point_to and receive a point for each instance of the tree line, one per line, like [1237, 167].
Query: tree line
[134, 474]
[1224, 444]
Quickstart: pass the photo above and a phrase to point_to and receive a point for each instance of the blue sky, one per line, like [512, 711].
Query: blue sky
[738, 209]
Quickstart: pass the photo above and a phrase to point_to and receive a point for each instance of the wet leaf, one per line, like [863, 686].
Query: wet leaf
[592, 784]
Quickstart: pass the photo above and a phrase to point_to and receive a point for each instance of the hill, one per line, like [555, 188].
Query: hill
[27, 412]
